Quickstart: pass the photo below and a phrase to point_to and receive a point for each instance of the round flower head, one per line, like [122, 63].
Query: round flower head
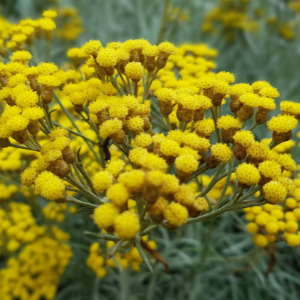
[193, 141]
[286, 161]
[135, 155]
[247, 174]
[244, 138]
[21, 56]
[52, 155]
[267, 103]
[282, 123]
[221, 87]
[58, 132]
[110, 127]
[269, 92]
[47, 68]
[185, 195]
[293, 240]
[203, 102]
[166, 48]
[50, 14]
[50, 186]
[133, 180]
[225, 76]
[135, 124]
[176, 215]
[170, 186]
[143, 140]
[186, 163]
[165, 95]
[27, 99]
[221, 152]
[47, 24]
[16, 80]
[5, 131]
[28, 176]
[115, 167]
[134, 71]
[33, 113]
[258, 150]
[288, 184]
[17, 123]
[290, 108]
[169, 148]
[228, 122]
[107, 57]
[150, 51]
[205, 127]
[92, 47]
[274, 192]
[105, 215]
[98, 106]
[122, 54]
[250, 99]
[118, 111]
[102, 181]
[49, 81]
[206, 82]
[118, 194]
[259, 85]
[240, 89]
[270, 169]
[127, 225]
[260, 240]
[153, 162]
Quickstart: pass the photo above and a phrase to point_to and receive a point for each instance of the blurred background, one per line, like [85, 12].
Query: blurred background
[255, 40]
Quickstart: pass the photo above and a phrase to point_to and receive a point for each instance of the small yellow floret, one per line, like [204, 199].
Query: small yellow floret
[102, 181]
[247, 174]
[221, 152]
[127, 225]
[274, 192]
[176, 214]
[105, 215]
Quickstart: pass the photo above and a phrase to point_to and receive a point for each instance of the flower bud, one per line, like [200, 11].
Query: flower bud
[34, 127]
[245, 113]
[211, 162]
[261, 115]
[150, 63]
[68, 155]
[46, 95]
[59, 168]
[20, 136]
[166, 108]
[4, 142]
[240, 152]
[119, 137]
[235, 104]
[78, 108]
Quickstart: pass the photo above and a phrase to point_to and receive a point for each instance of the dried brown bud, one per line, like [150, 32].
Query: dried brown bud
[166, 108]
[235, 104]
[4, 143]
[245, 113]
[59, 168]
[240, 152]
[33, 127]
[20, 136]
[109, 70]
[278, 137]
[78, 108]
[211, 162]
[150, 64]
[227, 135]
[261, 115]
[161, 61]
[119, 137]
[68, 155]
[46, 95]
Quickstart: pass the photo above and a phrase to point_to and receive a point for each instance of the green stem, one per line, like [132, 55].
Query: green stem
[142, 253]
[164, 21]
[67, 113]
[215, 122]
[213, 181]
[23, 147]
[86, 176]
[79, 202]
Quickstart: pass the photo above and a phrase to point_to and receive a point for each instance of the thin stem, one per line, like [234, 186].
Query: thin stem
[164, 21]
[79, 176]
[213, 181]
[79, 202]
[75, 133]
[67, 113]
[231, 163]
[215, 122]
[103, 236]
[136, 88]
[86, 176]
[142, 253]
[23, 147]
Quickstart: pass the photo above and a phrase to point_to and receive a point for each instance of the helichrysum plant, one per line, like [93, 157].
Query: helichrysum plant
[128, 135]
